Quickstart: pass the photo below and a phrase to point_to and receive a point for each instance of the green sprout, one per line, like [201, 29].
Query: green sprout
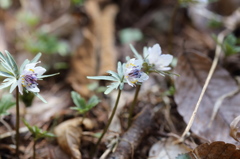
[81, 105]
[37, 134]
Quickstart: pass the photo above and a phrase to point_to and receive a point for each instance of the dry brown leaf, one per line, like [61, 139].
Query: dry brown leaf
[166, 149]
[69, 134]
[96, 55]
[214, 150]
[234, 129]
[193, 68]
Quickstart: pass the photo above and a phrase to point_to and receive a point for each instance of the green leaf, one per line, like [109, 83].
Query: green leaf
[36, 58]
[129, 35]
[13, 86]
[5, 64]
[136, 54]
[5, 74]
[40, 97]
[108, 78]
[78, 100]
[120, 69]
[23, 65]
[44, 76]
[6, 103]
[7, 82]
[12, 63]
[114, 74]
[93, 101]
[111, 87]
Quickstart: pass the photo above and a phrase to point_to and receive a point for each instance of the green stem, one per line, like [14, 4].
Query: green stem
[109, 122]
[133, 105]
[83, 117]
[34, 148]
[17, 122]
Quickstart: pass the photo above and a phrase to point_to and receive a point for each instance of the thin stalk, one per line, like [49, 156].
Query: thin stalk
[218, 51]
[34, 148]
[83, 117]
[109, 122]
[17, 122]
[133, 105]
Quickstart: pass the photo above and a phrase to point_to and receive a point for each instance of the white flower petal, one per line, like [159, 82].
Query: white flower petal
[164, 68]
[154, 53]
[33, 89]
[20, 88]
[39, 70]
[164, 60]
[143, 77]
[30, 66]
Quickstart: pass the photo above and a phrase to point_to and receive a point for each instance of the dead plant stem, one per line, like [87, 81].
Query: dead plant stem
[220, 39]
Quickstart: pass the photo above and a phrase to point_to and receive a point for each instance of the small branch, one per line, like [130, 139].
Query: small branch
[133, 137]
[220, 39]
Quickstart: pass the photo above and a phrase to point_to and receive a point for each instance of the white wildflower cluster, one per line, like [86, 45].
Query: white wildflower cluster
[136, 70]
[24, 78]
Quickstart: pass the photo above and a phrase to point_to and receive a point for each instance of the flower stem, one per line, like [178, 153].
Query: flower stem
[34, 148]
[83, 117]
[17, 122]
[109, 122]
[133, 105]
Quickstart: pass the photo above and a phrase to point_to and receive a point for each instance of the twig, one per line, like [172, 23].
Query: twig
[220, 39]
[133, 137]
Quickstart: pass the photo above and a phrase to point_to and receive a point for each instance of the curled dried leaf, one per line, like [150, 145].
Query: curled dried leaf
[69, 135]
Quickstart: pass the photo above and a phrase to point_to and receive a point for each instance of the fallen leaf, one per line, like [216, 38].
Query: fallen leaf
[69, 135]
[193, 69]
[166, 149]
[215, 150]
[234, 128]
[96, 54]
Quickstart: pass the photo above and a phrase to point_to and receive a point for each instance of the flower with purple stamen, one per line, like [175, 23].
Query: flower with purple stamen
[29, 76]
[133, 73]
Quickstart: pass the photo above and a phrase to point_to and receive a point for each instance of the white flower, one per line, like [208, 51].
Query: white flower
[157, 59]
[29, 76]
[133, 73]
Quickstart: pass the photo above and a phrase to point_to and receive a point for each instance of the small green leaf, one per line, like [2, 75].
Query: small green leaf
[5, 74]
[114, 74]
[93, 101]
[36, 58]
[7, 82]
[111, 87]
[23, 65]
[40, 97]
[44, 76]
[12, 63]
[78, 100]
[137, 55]
[109, 78]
